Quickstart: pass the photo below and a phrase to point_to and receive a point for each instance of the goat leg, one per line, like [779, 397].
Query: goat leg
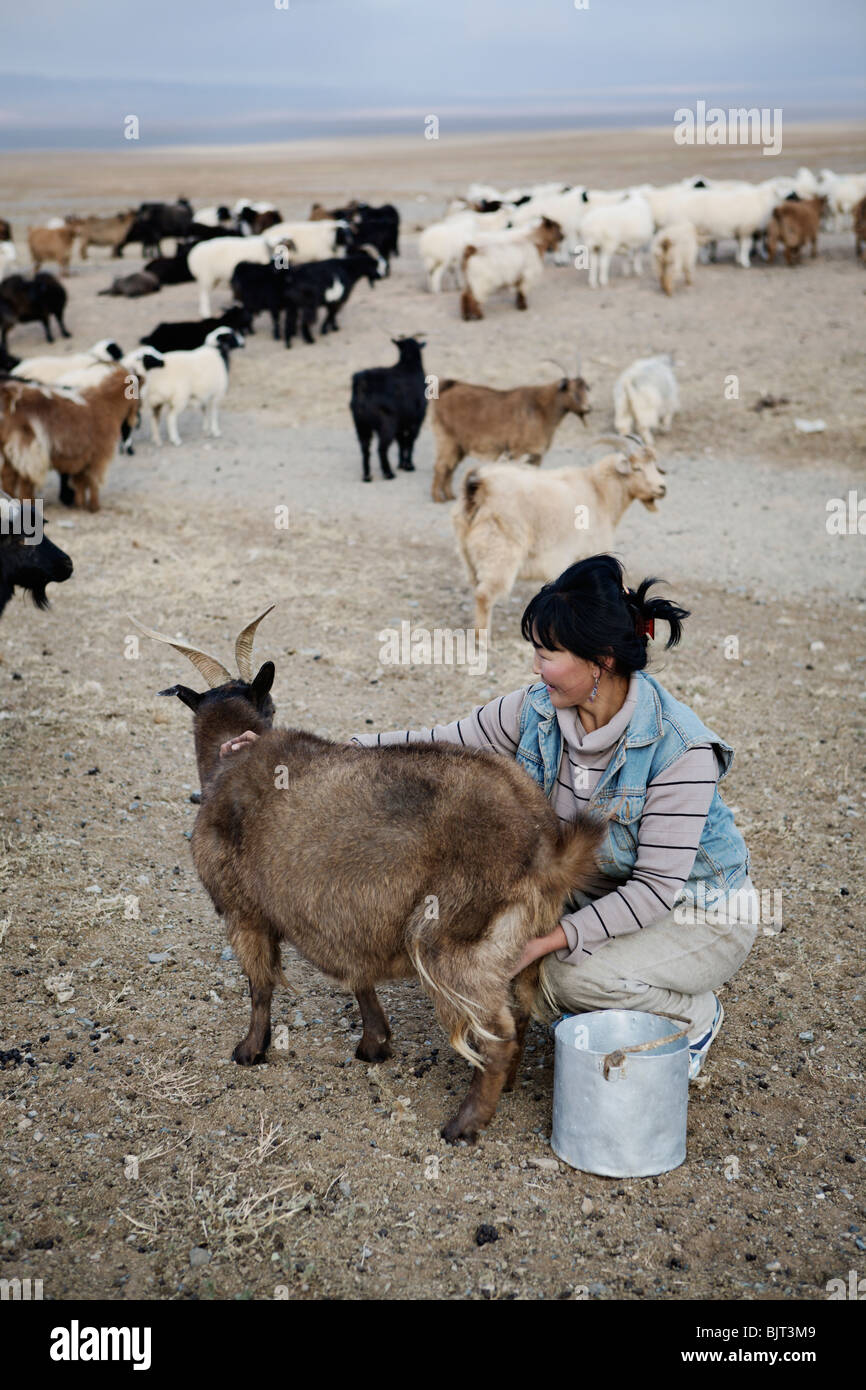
[525, 987]
[486, 1086]
[259, 955]
[374, 1045]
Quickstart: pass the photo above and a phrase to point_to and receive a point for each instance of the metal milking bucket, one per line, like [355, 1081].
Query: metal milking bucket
[620, 1093]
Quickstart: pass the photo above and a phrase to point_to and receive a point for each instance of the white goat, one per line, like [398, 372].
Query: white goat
[198, 377]
[625, 227]
[8, 255]
[675, 254]
[645, 397]
[843, 192]
[740, 212]
[506, 262]
[514, 521]
[441, 245]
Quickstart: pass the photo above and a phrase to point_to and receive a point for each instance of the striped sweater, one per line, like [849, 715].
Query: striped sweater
[676, 806]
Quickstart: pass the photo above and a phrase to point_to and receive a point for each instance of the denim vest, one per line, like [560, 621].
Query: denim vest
[660, 730]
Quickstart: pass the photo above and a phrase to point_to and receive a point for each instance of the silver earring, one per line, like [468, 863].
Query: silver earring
[594, 689]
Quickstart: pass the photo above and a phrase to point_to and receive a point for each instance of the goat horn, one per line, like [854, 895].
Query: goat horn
[244, 646]
[564, 370]
[213, 671]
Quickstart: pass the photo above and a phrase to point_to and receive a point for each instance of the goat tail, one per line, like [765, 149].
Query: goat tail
[460, 1014]
[575, 864]
[473, 485]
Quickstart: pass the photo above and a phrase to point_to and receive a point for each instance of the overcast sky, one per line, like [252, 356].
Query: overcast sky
[330, 56]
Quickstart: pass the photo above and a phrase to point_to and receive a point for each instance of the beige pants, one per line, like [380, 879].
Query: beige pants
[671, 967]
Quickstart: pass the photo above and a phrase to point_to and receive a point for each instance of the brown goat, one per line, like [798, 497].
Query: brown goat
[795, 224]
[51, 244]
[102, 231]
[74, 431]
[485, 423]
[377, 864]
[859, 216]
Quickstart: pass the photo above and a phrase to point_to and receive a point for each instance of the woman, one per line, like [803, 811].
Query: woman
[601, 736]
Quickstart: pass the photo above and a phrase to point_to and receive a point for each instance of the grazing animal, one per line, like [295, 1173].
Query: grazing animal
[102, 231]
[326, 285]
[8, 256]
[75, 431]
[7, 361]
[795, 225]
[134, 286]
[645, 397]
[675, 254]
[515, 522]
[390, 402]
[51, 244]
[32, 301]
[198, 377]
[5, 230]
[341, 854]
[23, 564]
[260, 289]
[193, 333]
[485, 423]
[309, 241]
[503, 264]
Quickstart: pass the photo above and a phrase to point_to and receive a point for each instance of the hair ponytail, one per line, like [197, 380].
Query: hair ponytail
[590, 612]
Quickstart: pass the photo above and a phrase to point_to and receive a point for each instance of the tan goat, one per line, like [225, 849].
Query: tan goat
[485, 423]
[514, 522]
[73, 430]
[102, 231]
[379, 864]
[51, 244]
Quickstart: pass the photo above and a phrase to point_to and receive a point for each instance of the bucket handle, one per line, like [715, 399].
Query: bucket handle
[617, 1059]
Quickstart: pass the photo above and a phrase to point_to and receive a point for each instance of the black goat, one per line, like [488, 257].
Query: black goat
[24, 565]
[32, 301]
[153, 221]
[172, 270]
[390, 402]
[260, 289]
[191, 333]
[327, 285]
[7, 361]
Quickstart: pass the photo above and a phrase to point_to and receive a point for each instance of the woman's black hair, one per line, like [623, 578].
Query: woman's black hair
[588, 611]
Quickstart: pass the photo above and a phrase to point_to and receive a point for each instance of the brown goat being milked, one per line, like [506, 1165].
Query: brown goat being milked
[378, 864]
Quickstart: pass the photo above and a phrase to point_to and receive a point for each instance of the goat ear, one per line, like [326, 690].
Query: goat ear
[623, 464]
[263, 681]
[563, 385]
[183, 692]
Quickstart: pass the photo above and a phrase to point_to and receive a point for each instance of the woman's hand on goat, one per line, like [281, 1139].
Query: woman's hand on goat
[234, 745]
[540, 946]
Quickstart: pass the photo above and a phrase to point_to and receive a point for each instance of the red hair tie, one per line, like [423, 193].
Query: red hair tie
[645, 627]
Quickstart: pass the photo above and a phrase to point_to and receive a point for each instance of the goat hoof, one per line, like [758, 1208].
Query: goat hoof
[454, 1132]
[374, 1052]
[246, 1056]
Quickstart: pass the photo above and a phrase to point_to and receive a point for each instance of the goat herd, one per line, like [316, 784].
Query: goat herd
[72, 412]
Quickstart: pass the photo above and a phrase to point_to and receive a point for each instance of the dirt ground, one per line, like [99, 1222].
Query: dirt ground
[137, 1160]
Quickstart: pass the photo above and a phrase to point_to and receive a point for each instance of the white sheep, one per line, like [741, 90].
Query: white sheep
[8, 256]
[843, 192]
[58, 365]
[310, 241]
[740, 212]
[214, 262]
[198, 377]
[645, 397]
[514, 521]
[625, 227]
[441, 245]
[509, 261]
[675, 254]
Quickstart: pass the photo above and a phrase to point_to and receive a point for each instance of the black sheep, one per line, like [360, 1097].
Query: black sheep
[24, 565]
[32, 301]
